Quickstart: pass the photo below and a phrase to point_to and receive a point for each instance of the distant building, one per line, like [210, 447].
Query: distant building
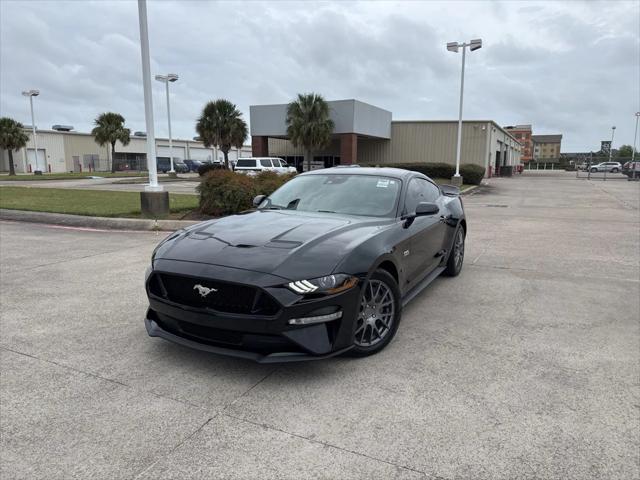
[366, 134]
[62, 150]
[522, 133]
[546, 148]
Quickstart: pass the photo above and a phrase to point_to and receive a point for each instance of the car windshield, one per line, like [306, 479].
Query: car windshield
[368, 195]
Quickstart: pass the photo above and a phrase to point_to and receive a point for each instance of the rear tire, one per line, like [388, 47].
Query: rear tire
[456, 257]
[378, 315]
[615, 170]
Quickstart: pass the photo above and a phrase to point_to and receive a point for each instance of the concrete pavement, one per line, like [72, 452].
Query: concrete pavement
[524, 366]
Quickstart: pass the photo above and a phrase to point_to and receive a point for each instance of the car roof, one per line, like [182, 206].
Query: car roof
[383, 171]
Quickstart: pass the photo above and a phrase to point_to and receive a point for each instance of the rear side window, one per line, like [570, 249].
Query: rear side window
[265, 162]
[246, 163]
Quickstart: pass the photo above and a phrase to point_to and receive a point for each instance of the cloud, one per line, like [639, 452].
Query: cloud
[570, 68]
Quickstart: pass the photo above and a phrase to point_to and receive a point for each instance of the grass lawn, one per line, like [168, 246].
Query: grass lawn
[70, 176]
[97, 203]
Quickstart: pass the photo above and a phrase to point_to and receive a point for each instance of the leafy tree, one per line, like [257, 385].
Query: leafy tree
[109, 128]
[221, 125]
[12, 137]
[625, 151]
[308, 124]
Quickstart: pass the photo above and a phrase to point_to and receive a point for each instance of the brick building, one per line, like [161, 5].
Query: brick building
[523, 135]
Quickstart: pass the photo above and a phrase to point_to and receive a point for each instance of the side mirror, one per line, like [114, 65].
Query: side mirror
[424, 209]
[257, 200]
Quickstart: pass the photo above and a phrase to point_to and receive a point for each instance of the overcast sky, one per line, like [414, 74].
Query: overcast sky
[565, 67]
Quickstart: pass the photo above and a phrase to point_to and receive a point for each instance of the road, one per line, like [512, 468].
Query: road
[525, 366]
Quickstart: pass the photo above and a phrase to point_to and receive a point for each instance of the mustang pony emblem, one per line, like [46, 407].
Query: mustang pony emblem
[204, 291]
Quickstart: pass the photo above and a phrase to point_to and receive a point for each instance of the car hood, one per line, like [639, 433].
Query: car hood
[288, 244]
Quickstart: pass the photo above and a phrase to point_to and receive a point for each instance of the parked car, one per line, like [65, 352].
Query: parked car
[631, 170]
[323, 266]
[613, 167]
[164, 165]
[261, 164]
[180, 167]
[193, 164]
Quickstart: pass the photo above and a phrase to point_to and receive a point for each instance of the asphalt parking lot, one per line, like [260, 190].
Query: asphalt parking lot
[525, 366]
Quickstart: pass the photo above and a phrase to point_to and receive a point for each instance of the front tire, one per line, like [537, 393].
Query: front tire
[378, 315]
[456, 257]
[594, 170]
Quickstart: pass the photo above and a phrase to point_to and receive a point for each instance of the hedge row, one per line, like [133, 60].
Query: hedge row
[471, 173]
[224, 192]
[207, 167]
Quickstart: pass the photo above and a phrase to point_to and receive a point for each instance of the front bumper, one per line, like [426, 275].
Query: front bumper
[262, 338]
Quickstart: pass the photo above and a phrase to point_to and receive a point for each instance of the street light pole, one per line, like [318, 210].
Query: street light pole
[613, 131]
[154, 202]
[148, 105]
[635, 137]
[454, 47]
[31, 94]
[172, 77]
[464, 54]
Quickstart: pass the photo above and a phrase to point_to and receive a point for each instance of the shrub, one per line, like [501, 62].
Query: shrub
[472, 174]
[208, 167]
[432, 170]
[223, 192]
[268, 182]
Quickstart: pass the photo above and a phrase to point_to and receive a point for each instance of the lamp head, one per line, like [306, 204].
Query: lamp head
[452, 46]
[172, 77]
[475, 44]
[31, 93]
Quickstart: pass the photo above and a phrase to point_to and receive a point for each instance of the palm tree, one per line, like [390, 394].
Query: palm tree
[109, 128]
[221, 125]
[308, 124]
[12, 137]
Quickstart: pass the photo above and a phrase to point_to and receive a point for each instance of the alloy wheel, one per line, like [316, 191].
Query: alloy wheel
[458, 249]
[376, 315]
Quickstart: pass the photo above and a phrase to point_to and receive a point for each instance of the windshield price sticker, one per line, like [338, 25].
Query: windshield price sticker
[383, 183]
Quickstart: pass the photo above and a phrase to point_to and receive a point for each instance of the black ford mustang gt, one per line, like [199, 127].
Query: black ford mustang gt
[323, 266]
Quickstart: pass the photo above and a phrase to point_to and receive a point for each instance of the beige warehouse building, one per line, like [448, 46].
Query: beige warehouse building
[366, 134]
[69, 151]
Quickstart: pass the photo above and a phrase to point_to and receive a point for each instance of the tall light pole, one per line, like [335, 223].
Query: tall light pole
[454, 47]
[613, 131]
[171, 77]
[154, 201]
[635, 137]
[31, 94]
[148, 101]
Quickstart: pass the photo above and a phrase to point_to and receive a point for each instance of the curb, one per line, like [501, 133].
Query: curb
[94, 222]
[469, 190]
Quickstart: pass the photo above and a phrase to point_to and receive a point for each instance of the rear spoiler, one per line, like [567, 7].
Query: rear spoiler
[450, 190]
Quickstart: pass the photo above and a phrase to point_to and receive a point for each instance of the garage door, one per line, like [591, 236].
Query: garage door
[202, 154]
[163, 151]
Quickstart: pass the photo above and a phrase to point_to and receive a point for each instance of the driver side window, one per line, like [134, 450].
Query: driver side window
[420, 190]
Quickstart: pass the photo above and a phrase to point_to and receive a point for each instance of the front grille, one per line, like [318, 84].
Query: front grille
[226, 297]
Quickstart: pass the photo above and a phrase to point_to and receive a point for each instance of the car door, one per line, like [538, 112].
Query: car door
[279, 168]
[428, 232]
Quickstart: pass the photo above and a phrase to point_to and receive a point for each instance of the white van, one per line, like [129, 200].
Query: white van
[255, 165]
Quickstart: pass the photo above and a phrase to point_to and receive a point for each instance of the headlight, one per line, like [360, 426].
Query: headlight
[330, 284]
